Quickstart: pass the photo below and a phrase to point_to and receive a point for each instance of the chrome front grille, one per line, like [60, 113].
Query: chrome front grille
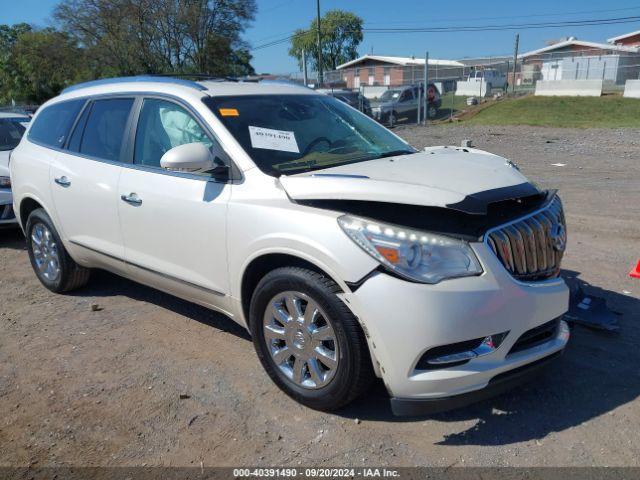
[531, 248]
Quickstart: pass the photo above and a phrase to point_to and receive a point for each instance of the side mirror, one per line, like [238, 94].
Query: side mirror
[197, 158]
[190, 157]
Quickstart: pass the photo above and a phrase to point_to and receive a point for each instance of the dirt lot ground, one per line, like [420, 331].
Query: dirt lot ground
[83, 387]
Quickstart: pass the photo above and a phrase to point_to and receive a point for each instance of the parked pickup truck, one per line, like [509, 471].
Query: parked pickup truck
[402, 103]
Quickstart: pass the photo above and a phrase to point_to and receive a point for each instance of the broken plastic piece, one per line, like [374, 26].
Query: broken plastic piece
[591, 312]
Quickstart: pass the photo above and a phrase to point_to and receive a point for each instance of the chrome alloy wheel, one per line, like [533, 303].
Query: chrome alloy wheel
[302, 342]
[45, 252]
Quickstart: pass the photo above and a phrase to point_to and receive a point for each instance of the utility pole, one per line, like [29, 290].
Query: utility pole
[304, 68]
[426, 86]
[320, 76]
[515, 63]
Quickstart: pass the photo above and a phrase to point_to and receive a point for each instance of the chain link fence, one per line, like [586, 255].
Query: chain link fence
[395, 93]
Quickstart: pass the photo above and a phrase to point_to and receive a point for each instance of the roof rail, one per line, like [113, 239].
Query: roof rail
[138, 78]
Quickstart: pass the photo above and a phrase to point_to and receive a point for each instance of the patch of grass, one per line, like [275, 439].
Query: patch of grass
[450, 101]
[610, 111]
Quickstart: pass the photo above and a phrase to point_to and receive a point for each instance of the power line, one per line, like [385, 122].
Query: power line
[515, 26]
[479, 28]
[504, 17]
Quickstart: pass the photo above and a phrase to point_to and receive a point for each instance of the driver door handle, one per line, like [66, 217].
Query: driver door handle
[63, 181]
[131, 199]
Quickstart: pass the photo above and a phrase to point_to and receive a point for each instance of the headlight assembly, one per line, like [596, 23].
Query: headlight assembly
[417, 256]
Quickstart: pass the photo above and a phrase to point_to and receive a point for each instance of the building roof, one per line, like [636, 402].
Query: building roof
[580, 43]
[401, 61]
[622, 37]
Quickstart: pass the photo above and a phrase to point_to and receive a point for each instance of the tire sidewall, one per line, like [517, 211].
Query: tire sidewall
[276, 283]
[40, 216]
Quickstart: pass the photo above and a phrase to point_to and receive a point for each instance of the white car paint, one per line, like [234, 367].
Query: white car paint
[431, 178]
[195, 239]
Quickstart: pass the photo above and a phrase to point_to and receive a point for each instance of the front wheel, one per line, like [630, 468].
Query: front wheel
[51, 262]
[307, 340]
[393, 119]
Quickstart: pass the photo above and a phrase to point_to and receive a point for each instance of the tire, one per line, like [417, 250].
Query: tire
[393, 119]
[50, 253]
[352, 372]
[432, 112]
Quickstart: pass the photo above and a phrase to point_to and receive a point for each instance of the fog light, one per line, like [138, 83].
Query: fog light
[487, 345]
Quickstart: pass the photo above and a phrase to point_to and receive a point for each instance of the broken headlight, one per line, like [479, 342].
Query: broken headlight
[417, 256]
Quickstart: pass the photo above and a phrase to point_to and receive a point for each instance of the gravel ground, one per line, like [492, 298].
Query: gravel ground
[151, 380]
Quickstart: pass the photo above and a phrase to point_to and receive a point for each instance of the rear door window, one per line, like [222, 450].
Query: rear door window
[105, 128]
[52, 125]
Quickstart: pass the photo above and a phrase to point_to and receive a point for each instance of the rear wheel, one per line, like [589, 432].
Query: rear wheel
[308, 341]
[51, 262]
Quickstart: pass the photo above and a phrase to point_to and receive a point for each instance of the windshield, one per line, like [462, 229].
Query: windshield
[11, 131]
[288, 134]
[390, 95]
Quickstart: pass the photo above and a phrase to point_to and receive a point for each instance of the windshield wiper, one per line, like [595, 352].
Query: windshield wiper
[394, 153]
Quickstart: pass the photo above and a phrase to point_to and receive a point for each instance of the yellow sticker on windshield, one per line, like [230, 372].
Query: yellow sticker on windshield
[229, 112]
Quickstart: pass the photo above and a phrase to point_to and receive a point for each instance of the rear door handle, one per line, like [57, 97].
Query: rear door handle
[63, 181]
[131, 199]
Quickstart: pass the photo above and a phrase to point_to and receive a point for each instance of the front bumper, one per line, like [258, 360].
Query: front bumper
[378, 114]
[403, 320]
[497, 385]
[7, 216]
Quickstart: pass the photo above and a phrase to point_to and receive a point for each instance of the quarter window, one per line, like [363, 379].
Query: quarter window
[105, 128]
[51, 126]
[164, 125]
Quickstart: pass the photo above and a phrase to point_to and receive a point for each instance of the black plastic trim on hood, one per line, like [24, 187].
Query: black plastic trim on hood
[442, 220]
[478, 203]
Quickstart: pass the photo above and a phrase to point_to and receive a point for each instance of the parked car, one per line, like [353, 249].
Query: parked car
[352, 98]
[402, 103]
[492, 77]
[12, 127]
[344, 251]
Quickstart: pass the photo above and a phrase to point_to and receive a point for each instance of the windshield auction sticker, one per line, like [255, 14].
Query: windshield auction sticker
[269, 139]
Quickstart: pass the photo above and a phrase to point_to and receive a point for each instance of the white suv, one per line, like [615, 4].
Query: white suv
[346, 253]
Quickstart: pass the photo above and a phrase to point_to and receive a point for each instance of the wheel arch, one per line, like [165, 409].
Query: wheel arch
[27, 205]
[262, 264]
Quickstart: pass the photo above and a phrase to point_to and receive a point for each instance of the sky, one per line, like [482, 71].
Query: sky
[276, 19]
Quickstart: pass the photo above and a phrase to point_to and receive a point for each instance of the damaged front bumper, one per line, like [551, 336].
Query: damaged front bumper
[405, 321]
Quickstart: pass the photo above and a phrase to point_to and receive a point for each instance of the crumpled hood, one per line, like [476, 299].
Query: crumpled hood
[4, 163]
[464, 179]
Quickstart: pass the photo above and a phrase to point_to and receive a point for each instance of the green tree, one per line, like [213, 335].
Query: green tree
[36, 64]
[126, 37]
[43, 63]
[8, 36]
[340, 35]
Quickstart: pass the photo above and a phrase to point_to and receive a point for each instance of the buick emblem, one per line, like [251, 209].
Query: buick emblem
[558, 237]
